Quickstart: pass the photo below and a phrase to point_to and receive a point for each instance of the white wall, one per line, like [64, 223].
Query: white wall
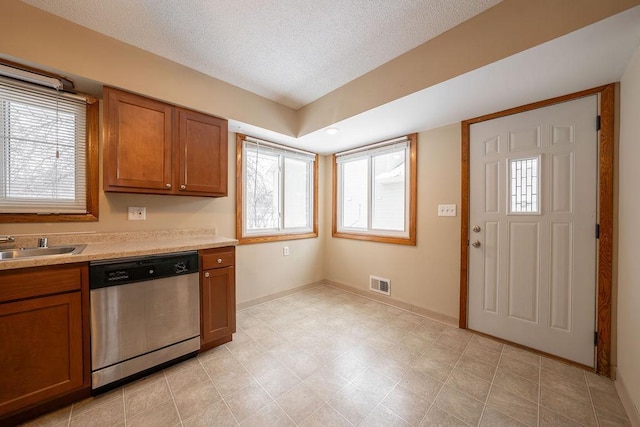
[628, 369]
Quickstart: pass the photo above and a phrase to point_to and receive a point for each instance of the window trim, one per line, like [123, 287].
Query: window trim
[91, 174]
[263, 238]
[413, 193]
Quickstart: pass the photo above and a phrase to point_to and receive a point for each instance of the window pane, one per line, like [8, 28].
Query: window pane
[388, 207]
[296, 193]
[524, 185]
[354, 193]
[261, 191]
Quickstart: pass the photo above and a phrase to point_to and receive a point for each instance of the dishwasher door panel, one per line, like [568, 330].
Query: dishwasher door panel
[135, 318]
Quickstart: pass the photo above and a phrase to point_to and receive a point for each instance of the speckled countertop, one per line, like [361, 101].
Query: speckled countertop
[101, 246]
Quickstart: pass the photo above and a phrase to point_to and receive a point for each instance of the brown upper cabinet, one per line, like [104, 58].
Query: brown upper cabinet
[157, 148]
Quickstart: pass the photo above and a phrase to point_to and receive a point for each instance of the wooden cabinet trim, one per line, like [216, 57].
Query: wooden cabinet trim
[39, 281]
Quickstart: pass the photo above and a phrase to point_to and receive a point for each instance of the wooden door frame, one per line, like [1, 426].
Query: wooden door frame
[605, 213]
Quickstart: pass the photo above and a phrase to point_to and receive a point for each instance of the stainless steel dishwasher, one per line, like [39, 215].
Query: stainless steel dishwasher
[145, 313]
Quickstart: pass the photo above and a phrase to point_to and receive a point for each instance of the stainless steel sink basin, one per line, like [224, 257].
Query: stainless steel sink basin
[37, 252]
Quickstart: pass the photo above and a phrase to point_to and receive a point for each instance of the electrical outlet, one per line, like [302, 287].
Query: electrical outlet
[285, 251]
[137, 213]
[446, 210]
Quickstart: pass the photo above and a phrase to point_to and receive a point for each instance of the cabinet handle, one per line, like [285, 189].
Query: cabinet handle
[183, 187]
[219, 260]
[168, 185]
[206, 274]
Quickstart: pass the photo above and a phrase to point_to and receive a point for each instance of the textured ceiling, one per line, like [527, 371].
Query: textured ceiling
[290, 51]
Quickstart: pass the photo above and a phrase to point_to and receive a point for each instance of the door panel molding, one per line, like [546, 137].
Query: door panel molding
[605, 213]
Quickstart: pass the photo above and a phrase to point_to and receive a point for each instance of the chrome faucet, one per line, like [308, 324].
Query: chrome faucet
[43, 242]
[7, 239]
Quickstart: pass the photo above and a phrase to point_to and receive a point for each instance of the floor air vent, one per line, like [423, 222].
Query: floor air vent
[378, 284]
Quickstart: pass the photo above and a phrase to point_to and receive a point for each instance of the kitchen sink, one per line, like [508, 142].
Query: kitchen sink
[38, 252]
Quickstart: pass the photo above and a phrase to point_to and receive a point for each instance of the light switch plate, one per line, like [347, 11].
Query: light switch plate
[447, 210]
[137, 213]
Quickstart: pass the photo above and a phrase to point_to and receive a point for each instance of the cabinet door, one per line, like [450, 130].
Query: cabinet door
[137, 152]
[202, 155]
[218, 304]
[41, 356]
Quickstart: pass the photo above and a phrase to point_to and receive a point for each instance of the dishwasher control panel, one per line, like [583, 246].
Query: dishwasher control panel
[138, 269]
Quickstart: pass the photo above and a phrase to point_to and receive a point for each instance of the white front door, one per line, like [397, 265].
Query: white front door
[532, 213]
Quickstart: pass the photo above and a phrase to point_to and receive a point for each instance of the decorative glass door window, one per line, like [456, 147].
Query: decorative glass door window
[524, 185]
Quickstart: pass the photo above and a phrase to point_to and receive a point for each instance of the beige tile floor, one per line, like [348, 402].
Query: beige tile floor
[324, 357]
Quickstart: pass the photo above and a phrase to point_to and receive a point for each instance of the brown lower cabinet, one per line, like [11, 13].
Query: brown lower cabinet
[217, 296]
[44, 340]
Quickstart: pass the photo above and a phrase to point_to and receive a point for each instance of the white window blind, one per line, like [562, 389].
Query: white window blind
[43, 150]
[373, 150]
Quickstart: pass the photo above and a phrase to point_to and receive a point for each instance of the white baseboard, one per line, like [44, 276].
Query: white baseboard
[627, 402]
[452, 321]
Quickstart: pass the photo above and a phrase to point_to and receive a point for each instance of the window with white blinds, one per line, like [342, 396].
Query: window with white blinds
[374, 191]
[43, 150]
[277, 186]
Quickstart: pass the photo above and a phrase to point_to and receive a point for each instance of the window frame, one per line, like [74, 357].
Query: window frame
[412, 191]
[91, 176]
[278, 236]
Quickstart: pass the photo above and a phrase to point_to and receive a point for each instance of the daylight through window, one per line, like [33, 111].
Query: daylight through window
[43, 155]
[375, 192]
[277, 187]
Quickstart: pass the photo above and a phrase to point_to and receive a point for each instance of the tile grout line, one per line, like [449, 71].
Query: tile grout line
[539, 388]
[302, 381]
[484, 406]
[350, 382]
[444, 383]
[69, 417]
[173, 397]
[216, 387]
[518, 394]
[124, 407]
[328, 403]
[273, 400]
[568, 378]
[397, 383]
[593, 406]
